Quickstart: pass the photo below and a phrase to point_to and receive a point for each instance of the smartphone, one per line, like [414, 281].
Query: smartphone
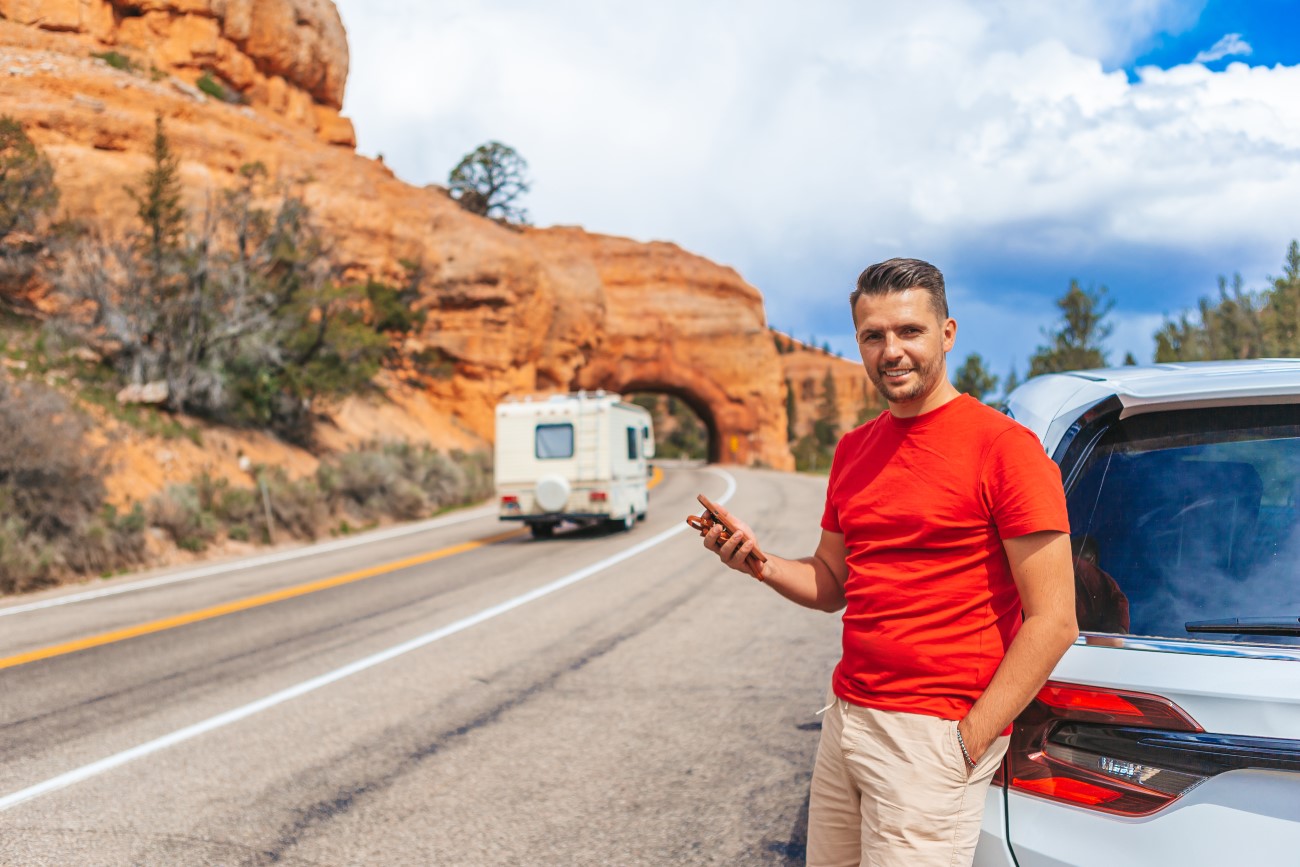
[712, 515]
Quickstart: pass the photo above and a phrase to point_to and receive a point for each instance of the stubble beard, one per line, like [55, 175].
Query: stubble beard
[897, 392]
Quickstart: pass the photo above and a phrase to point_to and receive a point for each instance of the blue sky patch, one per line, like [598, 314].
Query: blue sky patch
[1255, 32]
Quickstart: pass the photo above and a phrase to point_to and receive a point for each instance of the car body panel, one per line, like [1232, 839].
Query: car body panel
[993, 850]
[1241, 817]
[1049, 404]
[1227, 687]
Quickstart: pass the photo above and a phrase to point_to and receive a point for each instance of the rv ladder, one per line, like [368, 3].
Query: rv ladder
[588, 443]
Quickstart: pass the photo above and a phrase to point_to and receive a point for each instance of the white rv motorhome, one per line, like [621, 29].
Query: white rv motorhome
[580, 457]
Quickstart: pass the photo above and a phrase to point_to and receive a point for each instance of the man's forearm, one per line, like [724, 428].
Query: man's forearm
[807, 581]
[1034, 652]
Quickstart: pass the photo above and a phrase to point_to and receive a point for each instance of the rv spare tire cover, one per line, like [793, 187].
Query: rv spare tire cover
[552, 492]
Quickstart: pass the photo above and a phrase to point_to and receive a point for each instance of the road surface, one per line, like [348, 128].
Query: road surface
[437, 695]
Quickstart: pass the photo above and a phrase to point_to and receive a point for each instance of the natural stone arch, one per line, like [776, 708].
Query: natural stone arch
[701, 409]
[629, 316]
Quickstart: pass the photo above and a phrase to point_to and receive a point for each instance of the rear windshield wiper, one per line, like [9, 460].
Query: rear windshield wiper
[1248, 625]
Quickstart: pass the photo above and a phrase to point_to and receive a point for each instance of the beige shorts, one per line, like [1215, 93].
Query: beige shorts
[893, 788]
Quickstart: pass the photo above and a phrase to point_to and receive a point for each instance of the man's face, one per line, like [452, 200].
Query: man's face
[903, 340]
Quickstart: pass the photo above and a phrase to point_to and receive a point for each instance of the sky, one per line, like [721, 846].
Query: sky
[1147, 146]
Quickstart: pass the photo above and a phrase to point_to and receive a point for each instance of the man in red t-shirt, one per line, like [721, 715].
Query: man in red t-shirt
[945, 540]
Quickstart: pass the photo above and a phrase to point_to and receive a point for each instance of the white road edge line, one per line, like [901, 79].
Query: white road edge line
[251, 562]
[94, 769]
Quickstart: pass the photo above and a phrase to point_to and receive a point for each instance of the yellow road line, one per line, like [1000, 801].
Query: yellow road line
[262, 599]
[249, 602]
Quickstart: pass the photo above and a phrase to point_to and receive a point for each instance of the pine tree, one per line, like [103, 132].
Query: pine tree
[826, 427]
[1012, 382]
[489, 180]
[1282, 314]
[158, 202]
[27, 190]
[1240, 323]
[1076, 343]
[28, 196]
[974, 378]
[791, 412]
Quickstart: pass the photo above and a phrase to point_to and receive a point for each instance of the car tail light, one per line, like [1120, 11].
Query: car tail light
[1110, 750]
[597, 496]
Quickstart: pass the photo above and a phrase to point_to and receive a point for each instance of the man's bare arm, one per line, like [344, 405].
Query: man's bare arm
[1040, 564]
[813, 582]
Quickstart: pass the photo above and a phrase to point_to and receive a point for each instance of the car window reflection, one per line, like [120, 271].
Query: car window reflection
[1187, 518]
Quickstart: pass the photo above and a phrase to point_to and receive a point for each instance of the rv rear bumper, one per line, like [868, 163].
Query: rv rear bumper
[557, 516]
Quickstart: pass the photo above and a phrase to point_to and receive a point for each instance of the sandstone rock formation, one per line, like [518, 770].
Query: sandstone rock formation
[289, 56]
[806, 368]
[513, 311]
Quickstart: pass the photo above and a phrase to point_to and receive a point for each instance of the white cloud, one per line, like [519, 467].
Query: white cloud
[765, 134]
[1231, 45]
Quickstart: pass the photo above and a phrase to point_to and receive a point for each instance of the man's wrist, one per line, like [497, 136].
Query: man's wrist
[961, 742]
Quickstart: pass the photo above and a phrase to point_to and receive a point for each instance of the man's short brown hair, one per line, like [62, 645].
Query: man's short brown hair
[899, 275]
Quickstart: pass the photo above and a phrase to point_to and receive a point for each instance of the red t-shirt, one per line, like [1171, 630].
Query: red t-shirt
[924, 504]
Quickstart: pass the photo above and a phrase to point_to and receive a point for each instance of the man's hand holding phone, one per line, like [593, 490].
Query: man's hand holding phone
[729, 537]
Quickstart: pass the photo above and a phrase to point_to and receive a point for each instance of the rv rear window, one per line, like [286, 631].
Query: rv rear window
[554, 441]
[632, 451]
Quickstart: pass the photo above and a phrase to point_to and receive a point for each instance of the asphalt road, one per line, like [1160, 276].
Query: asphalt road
[515, 702]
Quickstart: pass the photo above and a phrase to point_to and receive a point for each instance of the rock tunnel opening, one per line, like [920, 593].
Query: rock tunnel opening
[684, 426]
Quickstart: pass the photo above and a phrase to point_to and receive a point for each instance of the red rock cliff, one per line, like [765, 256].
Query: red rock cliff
[514, 311]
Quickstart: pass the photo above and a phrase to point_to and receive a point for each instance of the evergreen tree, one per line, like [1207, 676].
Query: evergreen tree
[791, 412]
[1012, 382]
[1281, 320]
[826, 427]
[1232, 327]
[27, 190]
[158, 203]
[974, 378]
[239, 316]
[1240, 323]
[27, 196]
[1129, 360]
[1076, 343]
[489, 180]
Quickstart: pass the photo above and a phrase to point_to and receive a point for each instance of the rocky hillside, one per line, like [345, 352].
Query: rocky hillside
[825, 386]
[513, 311]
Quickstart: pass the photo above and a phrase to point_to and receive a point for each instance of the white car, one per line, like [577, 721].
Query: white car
[1170, 732]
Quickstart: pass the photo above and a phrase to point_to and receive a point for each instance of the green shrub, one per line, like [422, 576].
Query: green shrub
[27, 561]
[179, 512]
[109, 543]
[403, 480]
[434, 363]
[55, 520]
[297, 506]
[53, 479]
[219, 89]
[211, 87]
[392, 310]
[116, 60]
[238, 506]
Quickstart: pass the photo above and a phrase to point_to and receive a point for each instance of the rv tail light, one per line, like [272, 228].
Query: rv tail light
[597, 496]
[510, 501]
[1111, 750]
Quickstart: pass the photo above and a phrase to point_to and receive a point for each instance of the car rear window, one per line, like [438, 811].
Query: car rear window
[1185, 516]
